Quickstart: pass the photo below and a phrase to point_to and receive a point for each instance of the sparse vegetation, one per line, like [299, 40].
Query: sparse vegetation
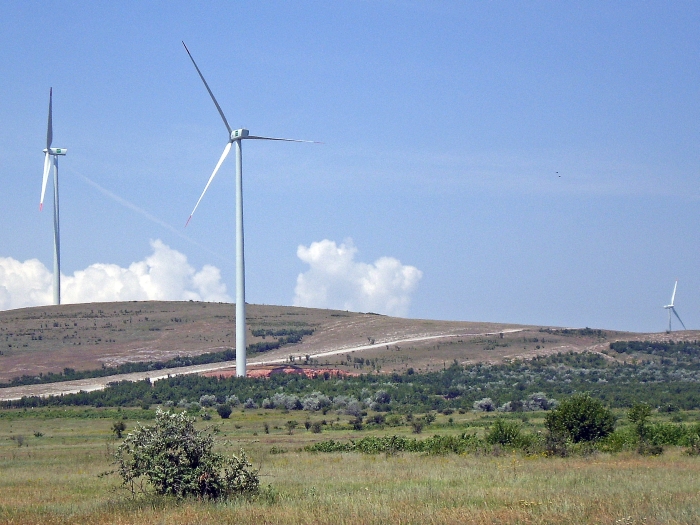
[499, 430]
[513, 387]
[662, 490]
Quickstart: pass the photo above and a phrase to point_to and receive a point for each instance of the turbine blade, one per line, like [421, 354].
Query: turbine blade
[679, 318]
[223, 117]
[673, 297]
[218, 165]
[49, 129]
[47, 169]
[285, 140]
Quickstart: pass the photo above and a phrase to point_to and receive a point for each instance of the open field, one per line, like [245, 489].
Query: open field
[54, 478]
[52, 458]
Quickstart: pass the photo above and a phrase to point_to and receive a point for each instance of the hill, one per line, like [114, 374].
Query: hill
[41, 340]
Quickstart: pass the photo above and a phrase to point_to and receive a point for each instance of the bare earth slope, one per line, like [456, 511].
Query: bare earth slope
[88, 336]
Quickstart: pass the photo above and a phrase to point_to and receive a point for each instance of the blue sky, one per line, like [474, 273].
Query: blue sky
[536, 162]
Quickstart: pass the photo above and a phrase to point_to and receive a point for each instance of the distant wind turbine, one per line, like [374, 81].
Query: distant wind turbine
[672, 308]
[53, 152]
[235, 137]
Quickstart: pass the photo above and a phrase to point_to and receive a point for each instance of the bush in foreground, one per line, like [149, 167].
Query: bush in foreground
[175, 458]
[580, 418]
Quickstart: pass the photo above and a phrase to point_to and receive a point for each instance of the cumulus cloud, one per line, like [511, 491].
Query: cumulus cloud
[163, 275]
[336, 280]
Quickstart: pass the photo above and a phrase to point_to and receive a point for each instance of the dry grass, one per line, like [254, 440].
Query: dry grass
[53, 479]
[87, 336]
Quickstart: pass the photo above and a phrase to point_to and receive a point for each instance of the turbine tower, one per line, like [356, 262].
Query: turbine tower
[235, 137]
[50, 152]
[672, 308]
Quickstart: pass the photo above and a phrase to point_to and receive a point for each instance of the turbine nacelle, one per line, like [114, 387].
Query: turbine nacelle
[56, 151]
[238, 134]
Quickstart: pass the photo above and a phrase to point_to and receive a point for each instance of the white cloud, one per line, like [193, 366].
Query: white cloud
[163, 275]
[335, 280]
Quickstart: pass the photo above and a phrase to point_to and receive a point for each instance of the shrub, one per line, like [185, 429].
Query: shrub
[693, 442]
[224, 411]
[503, 432]
[539, 401]
[382, 396]
[207, 401]
[624, 438]
[666, 434]
[118, 427]
[354, 408]
[417, 425]
[394, 420]
[377, 419]
[282, 400]
[316, 427]
[638, 415]
[315, 401]
[291, 425]
[392, 444]
[176, 459]
[485, 405]
[580, 418]
[649, 449]
[668, 407]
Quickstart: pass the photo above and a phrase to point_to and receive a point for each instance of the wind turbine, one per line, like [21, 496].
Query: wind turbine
[53, 152]
[235, 137]
[672, 308]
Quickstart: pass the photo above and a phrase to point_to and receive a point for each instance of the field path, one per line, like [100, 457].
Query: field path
[100, 383]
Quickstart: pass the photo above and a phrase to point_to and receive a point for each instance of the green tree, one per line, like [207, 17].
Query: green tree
[176, 459]
[224, 411]
[638, 415]
[580, 418]
[118, 427]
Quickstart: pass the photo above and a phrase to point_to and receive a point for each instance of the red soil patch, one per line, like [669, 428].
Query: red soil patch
[267, 371]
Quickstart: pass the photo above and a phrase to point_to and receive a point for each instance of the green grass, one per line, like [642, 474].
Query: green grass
[55, 478]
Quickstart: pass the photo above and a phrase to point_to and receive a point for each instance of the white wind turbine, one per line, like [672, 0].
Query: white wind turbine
[672, 308]
[235, 137]
[48, 153]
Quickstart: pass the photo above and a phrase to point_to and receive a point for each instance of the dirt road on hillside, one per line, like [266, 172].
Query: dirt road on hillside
[100, 383]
